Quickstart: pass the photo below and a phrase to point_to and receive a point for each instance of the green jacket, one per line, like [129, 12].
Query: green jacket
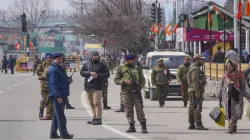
[40, 68]
[181, 75]
[44, 85]
[196, 80]
[123, 74]
[160, 76]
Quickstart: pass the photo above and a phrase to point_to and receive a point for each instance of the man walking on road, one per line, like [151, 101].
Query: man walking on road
[58, 84]
[130, 76]
[196, 88]
[95, 73]
[161, 77]
[181, 77]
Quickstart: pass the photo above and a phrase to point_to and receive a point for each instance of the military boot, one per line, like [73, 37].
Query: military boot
[185, 105]
[191, 127]
[231, 130]
[98, 121]
[121, 109]
[91, 121]
[201, 127]
[68, 106]
[106, 107]
[144, 127]
[131, 128]
[41, 113]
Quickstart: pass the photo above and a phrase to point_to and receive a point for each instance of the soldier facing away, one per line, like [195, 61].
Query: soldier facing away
[128, 75]
[196, 88]
[181, 77]
[161, 77]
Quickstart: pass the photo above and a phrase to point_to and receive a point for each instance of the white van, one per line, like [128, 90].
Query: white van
[172, 60]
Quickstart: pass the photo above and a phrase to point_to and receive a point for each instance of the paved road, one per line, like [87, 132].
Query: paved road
[19, 102]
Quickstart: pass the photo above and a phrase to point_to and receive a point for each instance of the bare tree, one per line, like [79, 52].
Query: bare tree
[35, 12]
[121, 22]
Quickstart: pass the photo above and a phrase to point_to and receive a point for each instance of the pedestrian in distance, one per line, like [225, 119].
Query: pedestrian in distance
[95, 73]
[132, 80]
[58, 84]
[196, 88]
[181, 77]
[232, 90]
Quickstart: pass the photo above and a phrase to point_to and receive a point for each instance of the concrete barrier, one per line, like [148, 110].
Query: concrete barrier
[212, 88]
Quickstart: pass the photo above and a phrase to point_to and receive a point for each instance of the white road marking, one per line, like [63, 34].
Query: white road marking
[21, 82]
[87, 107]
[8, 88]
[1, 91]
[15, 85]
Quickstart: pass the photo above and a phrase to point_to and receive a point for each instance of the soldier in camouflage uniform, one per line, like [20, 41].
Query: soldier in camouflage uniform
[161, 77]
[41, 73]
[181, 77]
[105, 95]
[196, 88]
[124, 77]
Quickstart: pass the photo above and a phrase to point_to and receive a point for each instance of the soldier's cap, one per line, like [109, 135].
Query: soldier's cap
[198, 56]
[129, 57]
[160, 59]
[48, 55]
[57, 54]
[187, 57]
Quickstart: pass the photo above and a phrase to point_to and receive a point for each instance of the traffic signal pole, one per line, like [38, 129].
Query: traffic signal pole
[24, 30]
[157, 25]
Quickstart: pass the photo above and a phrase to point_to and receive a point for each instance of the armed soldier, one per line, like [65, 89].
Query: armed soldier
[181, 77]
[196, 88]
[129, 76]
[44, 89]
[161, 77]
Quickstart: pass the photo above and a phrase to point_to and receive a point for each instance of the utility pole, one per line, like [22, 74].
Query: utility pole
[235, 27]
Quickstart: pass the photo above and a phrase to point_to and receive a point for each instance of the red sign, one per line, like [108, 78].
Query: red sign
[195, 34]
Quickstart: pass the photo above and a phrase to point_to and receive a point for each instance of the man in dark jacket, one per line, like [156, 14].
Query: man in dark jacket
[219, 56]
[58, 84]
[95, 73]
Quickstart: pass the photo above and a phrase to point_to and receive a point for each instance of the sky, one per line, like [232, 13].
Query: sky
[57, 4]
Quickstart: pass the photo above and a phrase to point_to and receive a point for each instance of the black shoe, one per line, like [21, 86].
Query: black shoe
[191, 127]
[231, 131]
[55, 137]
[70, 136]
[90, 121]
[121, 109]
[144, 127]
[131, 128]
[185, 105]
[201, 127]
[97, 121]
[161, 105]
[41, 113]
[68, 106]
[105, 107]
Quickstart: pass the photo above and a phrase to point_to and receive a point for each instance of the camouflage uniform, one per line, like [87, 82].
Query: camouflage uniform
[196, 88]
[45, 91]
[39, 72]
[181, 76]
[105, 95]
[130, 100]
[160, 77]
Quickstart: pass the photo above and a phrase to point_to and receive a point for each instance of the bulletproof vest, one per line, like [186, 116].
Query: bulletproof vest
[161, 76]
[126, 75]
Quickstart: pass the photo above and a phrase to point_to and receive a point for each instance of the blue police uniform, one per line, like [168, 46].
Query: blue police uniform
[58, 85]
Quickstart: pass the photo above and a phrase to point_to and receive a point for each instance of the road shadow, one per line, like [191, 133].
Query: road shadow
[136, 124]
[18, 120]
